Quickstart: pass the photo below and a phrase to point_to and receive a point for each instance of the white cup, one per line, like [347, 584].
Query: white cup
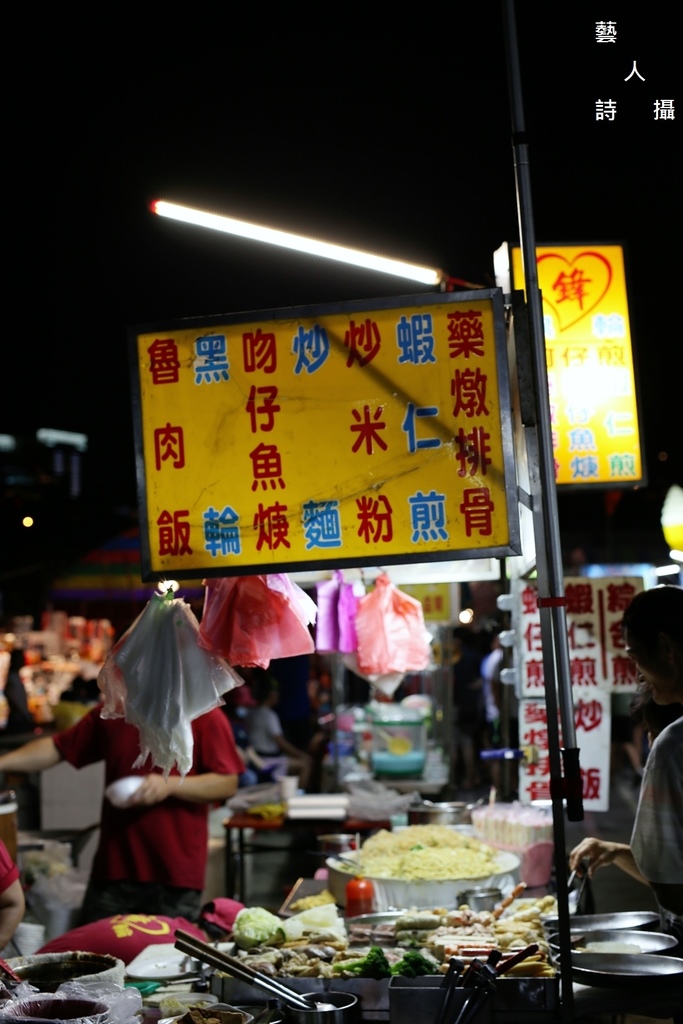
[289, 785]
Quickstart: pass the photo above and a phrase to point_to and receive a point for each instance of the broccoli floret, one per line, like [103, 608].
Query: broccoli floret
[413, 964]
[373, 965]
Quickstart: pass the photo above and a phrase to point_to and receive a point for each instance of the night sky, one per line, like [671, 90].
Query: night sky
[394, 139]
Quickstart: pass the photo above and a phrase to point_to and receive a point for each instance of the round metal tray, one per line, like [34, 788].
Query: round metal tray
[648, 942]
[620, 971]
[609, 922]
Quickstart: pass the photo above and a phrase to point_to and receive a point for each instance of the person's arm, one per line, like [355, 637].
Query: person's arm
[11, 911]
[288, 748]
[35, 756]
[197, 789]
[599, 853]
[255, 759]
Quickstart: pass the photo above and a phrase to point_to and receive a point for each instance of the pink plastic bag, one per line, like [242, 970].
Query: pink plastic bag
[391, 632]
[350, 595]
[249, 620]
[327, 625]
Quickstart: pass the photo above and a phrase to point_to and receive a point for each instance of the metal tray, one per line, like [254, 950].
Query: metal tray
[609, 922]
[621, 971]
[648, 942]
[383, 917]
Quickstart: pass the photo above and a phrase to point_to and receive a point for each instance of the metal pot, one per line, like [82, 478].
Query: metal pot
[47, 971]
[345, 1010]
[480, 898]
[337, 842]
[452, 813]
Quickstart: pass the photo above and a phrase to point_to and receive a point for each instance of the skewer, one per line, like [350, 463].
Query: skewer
[516, 892]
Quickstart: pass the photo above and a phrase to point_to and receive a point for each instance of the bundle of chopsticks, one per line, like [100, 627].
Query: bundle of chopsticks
[478, 978]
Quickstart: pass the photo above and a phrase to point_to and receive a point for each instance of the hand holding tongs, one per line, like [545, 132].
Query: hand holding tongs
[583, 867]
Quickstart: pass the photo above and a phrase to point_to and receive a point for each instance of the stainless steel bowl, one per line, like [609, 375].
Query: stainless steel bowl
[480, 898]
[337, 842]
[343, 1009]
[448, 813]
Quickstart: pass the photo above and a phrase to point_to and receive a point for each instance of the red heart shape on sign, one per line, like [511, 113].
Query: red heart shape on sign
[573, 288]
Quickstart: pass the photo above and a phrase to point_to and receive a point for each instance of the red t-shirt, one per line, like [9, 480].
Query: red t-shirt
[166, 842]
[123, 936]
[9, 872]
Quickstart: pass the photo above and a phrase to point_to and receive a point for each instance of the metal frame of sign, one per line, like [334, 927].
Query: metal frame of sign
[201, 562]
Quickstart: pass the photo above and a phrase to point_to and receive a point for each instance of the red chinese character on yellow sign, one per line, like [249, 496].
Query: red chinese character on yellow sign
[363, 342]
[374, 515]
[174, 533]
[267, 466]
[465, 334]
[272, 525]
[165, 365]
[168, 445]
[259, 351]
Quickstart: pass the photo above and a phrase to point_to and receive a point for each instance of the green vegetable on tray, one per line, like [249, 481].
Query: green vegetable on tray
[256, 926]
[414, 964]
[373, 965]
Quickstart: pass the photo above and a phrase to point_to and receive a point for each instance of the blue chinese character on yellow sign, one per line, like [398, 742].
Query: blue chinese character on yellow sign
[415, 339]
[211, 359]
[428, 516]
[409, 426]
[321, 523]
[221, 532]
[311, 349]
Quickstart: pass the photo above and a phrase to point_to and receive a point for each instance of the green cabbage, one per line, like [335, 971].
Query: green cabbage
[256, 926]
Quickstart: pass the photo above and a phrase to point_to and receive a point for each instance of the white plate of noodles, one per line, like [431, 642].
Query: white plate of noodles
[424, 865]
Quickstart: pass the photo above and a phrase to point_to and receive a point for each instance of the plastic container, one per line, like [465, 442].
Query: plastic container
[360, 897]
[399, 741]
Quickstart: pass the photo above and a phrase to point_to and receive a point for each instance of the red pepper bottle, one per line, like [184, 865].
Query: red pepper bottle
[360, 897]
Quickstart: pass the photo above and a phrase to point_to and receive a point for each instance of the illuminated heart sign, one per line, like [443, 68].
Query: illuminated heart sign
[572, 288]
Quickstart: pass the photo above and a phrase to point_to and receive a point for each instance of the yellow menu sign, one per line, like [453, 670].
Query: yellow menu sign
[355, 434]
[594, 413]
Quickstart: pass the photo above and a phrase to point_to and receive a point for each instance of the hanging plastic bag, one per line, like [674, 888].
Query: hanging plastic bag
[350, 595]
[159, 679]
[391, 632]
[327, 625]
[386, 682]
[249, 620]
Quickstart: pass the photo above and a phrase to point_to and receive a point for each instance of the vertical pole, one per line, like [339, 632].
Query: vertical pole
[552, 603]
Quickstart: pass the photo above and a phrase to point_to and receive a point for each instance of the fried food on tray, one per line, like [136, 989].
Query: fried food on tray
[306, 902]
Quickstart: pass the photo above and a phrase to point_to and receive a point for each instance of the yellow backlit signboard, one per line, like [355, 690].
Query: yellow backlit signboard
[594, 413]
[356, 434]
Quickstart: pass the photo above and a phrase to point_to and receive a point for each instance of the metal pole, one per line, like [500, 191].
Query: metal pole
[552, 607]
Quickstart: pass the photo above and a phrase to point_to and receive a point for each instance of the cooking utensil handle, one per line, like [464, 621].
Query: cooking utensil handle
[517, 958]
[187, 943]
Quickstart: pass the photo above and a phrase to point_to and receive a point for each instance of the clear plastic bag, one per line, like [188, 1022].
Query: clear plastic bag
[249, 620]
[84, 1002]
[159, 679]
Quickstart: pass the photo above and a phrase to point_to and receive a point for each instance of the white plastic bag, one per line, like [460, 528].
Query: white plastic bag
[159, 679]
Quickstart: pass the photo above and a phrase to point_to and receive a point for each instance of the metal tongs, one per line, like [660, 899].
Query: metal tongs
[583, 866]
[207, 954]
